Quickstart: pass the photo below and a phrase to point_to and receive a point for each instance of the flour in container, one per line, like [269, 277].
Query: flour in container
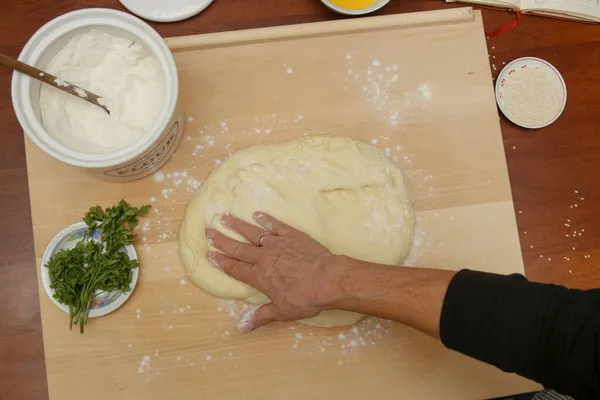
[129, 80]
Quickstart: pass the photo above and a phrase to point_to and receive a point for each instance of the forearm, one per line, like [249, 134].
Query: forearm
[544, 332]
[412, 296]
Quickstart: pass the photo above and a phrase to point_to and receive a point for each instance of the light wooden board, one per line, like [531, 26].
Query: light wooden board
[429, 101]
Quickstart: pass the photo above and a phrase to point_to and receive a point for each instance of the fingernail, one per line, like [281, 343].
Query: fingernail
[258, 215]
[210, 233]
[213, 261]
[262, 220]
[245, 325]
[225, 219]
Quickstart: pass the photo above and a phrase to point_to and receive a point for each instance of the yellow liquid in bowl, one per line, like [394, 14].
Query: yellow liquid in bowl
[354, 4]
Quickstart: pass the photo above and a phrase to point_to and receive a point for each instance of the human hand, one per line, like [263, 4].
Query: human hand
[299, 275]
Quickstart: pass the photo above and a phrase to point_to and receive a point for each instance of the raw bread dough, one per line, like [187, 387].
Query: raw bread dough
[345, 194]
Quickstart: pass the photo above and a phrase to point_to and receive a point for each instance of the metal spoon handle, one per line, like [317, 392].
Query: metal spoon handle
[52, 80]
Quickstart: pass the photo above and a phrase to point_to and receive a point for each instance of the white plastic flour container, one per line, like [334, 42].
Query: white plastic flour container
[140, 158]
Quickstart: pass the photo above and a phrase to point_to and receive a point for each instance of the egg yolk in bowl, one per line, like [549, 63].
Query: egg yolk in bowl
[353, 4]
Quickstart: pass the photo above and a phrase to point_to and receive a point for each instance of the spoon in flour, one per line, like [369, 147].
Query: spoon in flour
[53, 81]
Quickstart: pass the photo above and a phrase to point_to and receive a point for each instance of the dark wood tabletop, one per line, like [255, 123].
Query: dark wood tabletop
[554, 172]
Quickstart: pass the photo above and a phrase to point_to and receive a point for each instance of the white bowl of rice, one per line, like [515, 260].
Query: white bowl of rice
[531, 92]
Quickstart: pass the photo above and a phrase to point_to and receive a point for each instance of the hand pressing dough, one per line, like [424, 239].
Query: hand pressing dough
[345, 194]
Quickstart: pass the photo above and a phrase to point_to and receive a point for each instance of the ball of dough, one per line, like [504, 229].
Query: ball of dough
[345, 194]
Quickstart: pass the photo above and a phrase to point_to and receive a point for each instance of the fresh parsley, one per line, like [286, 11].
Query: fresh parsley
[76, 274]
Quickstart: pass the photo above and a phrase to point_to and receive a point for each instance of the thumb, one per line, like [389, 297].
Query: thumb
[257, 317]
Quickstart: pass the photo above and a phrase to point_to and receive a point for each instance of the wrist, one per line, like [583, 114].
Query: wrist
[343, 293]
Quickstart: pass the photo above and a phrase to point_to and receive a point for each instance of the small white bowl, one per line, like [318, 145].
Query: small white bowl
[166, 11]
[346, 11]
[103, 303]
[529, 62]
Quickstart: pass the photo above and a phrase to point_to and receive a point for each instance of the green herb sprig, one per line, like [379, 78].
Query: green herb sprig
[76, 274]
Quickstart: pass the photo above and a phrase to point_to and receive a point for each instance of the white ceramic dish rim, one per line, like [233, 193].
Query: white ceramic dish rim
[137, 8]
[65, 24]
[504, 73]
[96, 312]
[341, 10]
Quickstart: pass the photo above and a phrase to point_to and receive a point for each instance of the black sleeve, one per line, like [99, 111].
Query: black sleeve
[546, 333]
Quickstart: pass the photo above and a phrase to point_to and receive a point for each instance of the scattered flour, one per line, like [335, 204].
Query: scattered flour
[158, 177]
[144, 365]
[381, 87]
[80, 92]
[61, 83]
[425, 91]
[173, 189]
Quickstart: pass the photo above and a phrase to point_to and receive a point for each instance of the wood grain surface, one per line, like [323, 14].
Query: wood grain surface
[373, 82]
[546, 167]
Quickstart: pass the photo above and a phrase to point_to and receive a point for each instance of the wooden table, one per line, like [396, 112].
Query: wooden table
[552, 170]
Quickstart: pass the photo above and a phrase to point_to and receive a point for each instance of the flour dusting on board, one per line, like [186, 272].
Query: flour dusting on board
[384, 89]
[145, 368]
[206, 144]
[289, 70]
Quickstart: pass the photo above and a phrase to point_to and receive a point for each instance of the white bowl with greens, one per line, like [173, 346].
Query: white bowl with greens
[90, 268]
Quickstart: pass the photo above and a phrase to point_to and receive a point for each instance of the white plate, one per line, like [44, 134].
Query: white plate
[103, 303]
[529, 62]
[376, 6]
[166, 10]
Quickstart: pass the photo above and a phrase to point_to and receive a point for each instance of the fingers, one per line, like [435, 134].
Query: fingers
[245, 272]
[240, 270]
[251, 232]
[272, 224]
[257, 317]
[238, 250]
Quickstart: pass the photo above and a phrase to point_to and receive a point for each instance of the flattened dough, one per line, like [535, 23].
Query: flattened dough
[345, 194]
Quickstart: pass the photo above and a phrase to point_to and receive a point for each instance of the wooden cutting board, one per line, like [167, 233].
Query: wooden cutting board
[416, 85]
